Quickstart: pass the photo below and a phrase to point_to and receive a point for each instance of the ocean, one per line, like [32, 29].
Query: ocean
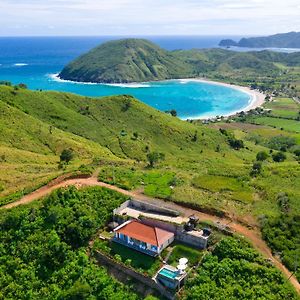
[35, 61]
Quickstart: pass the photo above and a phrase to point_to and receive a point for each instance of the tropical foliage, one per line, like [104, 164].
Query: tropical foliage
[234, 270]
[43, 248]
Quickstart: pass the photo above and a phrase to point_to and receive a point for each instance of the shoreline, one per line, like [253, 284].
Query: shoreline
[257, 98]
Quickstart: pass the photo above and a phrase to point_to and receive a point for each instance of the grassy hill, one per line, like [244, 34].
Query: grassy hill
[137, 60]
[41, 124]
[128, 60]
[37, 126]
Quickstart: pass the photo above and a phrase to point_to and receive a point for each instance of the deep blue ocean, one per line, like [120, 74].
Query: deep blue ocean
[35, 60]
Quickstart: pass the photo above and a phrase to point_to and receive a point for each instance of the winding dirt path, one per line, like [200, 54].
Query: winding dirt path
[253, 235]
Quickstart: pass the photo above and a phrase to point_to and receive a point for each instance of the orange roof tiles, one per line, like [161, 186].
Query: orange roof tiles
[145, 233]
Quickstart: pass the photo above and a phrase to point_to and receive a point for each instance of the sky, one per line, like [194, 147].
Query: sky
[147, 17]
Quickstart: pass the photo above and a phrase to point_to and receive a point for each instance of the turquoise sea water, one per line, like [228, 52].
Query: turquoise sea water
[34, 61]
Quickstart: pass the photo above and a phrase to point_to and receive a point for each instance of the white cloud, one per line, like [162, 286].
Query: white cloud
[131, 17]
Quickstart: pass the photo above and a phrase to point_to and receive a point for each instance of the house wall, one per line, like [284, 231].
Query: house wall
[166, 244]
[180, 234]
[146, 207]
[172, 227]
[196, 241]
[121, 207]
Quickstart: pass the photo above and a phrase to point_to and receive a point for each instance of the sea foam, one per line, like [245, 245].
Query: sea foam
[20, 65]
[55, 77]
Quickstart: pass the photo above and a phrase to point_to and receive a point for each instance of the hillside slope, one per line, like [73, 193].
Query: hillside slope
[30, 149]
[129, 60]
[120, 132]
[36, 126]
[111, 122]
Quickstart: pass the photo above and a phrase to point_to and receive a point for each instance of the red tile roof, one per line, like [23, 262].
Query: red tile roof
[145, 233]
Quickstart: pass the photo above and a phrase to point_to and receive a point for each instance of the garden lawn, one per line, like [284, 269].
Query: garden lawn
[180, 250]
[142, 262]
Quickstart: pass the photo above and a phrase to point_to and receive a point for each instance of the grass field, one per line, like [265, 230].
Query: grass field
[200, 168]
[180, 250]
[280, 123]
[284, 107]
[155, 183]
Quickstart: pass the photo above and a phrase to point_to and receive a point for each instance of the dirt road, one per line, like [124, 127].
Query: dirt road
[253, 235]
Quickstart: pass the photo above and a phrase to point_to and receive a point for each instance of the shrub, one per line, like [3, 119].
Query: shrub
[279, 157]
[256, 168]
[66, 155]
[261, 156]
[154, 157]
[235, 144]
[281, 142]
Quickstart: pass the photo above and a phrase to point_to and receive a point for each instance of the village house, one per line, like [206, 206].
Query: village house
[148, 239]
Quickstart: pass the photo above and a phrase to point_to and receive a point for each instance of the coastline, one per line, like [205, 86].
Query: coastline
[257, 98]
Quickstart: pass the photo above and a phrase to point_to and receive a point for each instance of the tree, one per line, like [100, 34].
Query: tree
[261, 156]
[236, 144]
[173, 113]
[126, 103]
[154, 157]
[22, 86]
[279, 157]
[283, 202]
[297, 152]
[256, 168]
[66, 155]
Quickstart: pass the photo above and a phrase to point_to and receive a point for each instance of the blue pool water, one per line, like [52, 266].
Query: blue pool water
[168, 273]
[34, 61]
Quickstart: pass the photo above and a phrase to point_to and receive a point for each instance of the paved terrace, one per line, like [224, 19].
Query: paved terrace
[135, 213]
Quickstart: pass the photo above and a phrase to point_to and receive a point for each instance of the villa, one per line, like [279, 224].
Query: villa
[148, 239]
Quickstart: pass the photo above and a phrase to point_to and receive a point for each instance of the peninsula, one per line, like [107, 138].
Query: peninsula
[280, 40]
[139, 60]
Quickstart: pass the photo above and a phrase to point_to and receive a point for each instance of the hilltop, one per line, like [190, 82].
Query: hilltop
[127, 60]
[138, 60]
[280, 40]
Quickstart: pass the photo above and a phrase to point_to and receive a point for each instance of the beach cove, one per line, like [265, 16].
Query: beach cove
[192, 98]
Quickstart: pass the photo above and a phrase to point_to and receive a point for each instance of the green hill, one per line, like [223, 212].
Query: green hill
[128, 60]
[281, 40]
[136, 60]
[37, 126]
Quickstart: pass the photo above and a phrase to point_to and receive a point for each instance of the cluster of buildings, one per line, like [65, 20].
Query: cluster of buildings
[150, 229]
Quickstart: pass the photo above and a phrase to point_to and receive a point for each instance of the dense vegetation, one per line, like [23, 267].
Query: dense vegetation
[234, 270]
[135, 60]
[281, 40]
[43, 248]
[282, 233]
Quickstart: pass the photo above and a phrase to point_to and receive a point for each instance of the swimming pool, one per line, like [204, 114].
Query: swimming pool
[168, 273]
